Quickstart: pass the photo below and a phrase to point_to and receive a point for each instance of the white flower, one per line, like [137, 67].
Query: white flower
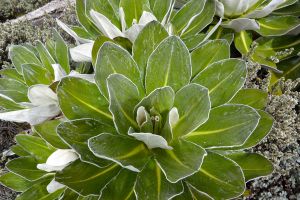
[58, 160]
[43, 106]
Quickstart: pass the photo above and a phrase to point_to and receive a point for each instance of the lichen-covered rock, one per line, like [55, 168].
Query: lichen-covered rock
[13, 8]
[257, 77]
[282, 147]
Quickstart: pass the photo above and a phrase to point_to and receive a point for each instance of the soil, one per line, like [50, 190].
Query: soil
[7, 133]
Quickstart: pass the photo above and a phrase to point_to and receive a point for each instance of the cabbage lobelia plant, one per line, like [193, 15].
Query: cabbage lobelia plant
[162, 123]
[27, 92]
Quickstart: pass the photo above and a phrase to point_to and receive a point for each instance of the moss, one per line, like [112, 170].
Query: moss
[13, 8]
[29, 32]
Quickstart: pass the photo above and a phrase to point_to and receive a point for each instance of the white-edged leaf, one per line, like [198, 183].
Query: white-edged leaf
[72, 33]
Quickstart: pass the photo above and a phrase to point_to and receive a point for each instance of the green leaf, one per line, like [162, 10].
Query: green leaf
[14, 182]
[252, 97]
[45, 57]
[252, 164]
[228, 125]
[36, 146]
[127, 152]
[36, 74]
[208, 53]
[69, 195]
[20, 55]
[77, 132]
[106, 7]
[201, 20]
[193, 104]
[161, 9]
[74, 96]
[61, 52]
[114, 59]
[146, 42]
[290, 68]
[223, 80]
[15, 90]
[194, 41]
[84, 19]
[86, 179]
[268, 47]
[263, 128]
[293, 10]
[220, 174]
[151, 183]
[97, 45]
[25, 167]
[123, 97]
[277, 25]
[47, 131]
[182, 161]
[12, 73]
[121, 187]
[223, 33]
[81, 32]
[161, 99]
[91, 197]
[133, 9]
[191, 193]
[39, 191]
[18, 150]
[186, 14]
[243, 41]
[168, 65]
[8, 104]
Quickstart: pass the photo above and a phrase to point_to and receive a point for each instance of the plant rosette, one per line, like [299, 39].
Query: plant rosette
[162, 123]
[27, 92]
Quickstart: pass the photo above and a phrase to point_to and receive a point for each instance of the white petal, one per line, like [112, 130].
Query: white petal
[141, 115]
[82, 53]
[41, 95]
[50, 168]
[59, 72]
[241, 24]
[122, 19]
[33, 116]
[151, 140]
[72, 33]
[219, 9]
[146, 18]
[53, 186]
[173, 116]
[105, 25]
[88, 77]
[265, 10]
[133, 32]
[61, 157]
